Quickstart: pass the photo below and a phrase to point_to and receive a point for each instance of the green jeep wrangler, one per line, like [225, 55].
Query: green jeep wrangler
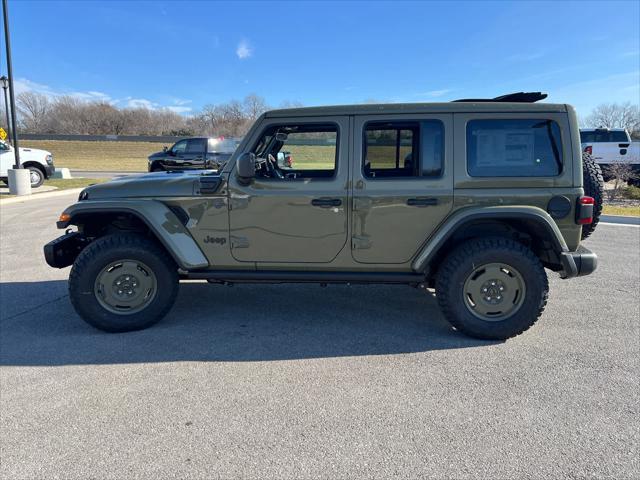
[473, 198]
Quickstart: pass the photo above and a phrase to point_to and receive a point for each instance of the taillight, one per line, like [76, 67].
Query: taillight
[588, 149]
[585, 210]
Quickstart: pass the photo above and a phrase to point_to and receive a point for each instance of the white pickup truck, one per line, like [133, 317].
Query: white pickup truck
[39, 163]
[610, 146]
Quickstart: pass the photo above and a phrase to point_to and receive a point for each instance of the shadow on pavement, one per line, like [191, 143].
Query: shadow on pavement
[230, 324]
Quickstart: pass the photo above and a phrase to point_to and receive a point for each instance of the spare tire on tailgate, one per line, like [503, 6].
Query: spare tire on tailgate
[593, 187]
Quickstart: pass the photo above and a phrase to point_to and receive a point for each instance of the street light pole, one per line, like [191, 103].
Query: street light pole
[12, 101]
[5, 85]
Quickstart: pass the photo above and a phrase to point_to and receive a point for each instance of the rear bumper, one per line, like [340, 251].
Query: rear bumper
[579, 263]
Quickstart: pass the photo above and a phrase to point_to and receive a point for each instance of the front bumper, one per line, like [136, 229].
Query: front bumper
[579, 263]
[62, 251]
[49, 170]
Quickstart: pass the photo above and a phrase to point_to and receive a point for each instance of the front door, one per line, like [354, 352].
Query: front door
[402, 184]
[295, 210]
[194, 153]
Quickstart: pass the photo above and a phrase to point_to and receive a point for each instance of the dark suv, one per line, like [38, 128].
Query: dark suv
[194, 154]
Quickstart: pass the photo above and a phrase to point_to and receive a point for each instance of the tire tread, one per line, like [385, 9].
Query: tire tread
[471, 249]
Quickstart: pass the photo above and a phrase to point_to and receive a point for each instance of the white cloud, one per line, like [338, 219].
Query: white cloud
[26, 85]
[244, 50]
[92, 96]
[141, 103]
[175, 104]
[435, 93]
[179, 109]
[23, 85]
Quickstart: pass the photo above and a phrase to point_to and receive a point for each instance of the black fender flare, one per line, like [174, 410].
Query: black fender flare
[157, 216]
[464, 217]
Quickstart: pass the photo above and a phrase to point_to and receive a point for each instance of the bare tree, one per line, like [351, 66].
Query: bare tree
[70, 115]
[33, 109]
[64, 116]
[621, 173]
[615, 115]
[254, 106]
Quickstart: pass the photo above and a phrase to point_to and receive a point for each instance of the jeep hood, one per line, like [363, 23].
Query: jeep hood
[158, 184]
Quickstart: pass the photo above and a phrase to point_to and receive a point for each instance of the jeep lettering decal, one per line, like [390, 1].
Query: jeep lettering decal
[218, 240]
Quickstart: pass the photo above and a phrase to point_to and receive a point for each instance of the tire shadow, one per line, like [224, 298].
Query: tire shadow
[244, 323]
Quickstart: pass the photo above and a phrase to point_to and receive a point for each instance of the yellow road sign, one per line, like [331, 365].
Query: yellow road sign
[3, 134]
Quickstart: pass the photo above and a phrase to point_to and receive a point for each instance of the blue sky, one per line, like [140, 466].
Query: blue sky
[183, 55]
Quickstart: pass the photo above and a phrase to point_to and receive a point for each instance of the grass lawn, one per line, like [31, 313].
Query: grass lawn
[67, 183]
[63, 184]
[132, 156]
[627, 210]
[99, 156]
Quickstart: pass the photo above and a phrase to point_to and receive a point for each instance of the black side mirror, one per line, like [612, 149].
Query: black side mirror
[165, 148]
[246, 166]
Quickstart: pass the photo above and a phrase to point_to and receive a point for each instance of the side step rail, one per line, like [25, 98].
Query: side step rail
[279, 276]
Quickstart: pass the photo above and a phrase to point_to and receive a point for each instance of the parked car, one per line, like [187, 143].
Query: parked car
[474, 199]
[611, 146]
[39, 163]
[194, 154]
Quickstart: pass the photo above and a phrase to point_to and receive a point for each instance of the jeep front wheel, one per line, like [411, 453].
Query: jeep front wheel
[492, 288]
[123, 282]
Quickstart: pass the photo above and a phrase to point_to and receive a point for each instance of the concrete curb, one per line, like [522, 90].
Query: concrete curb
[38, 196]
[620, 219]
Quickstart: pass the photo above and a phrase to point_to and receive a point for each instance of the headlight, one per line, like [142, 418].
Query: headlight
[49, 159]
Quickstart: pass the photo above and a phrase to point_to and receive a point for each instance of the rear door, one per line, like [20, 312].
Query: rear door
[402, 184]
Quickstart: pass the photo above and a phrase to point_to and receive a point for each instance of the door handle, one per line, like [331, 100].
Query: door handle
[326, 202]
[422, 202]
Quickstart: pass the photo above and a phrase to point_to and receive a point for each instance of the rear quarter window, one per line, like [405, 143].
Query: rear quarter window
[514, 148]
[604, 136]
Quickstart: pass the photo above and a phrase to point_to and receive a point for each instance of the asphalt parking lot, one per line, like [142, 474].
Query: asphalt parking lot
[296, 381]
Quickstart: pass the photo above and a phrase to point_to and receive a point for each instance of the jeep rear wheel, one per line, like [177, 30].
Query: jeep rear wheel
[123, 282]
[593, 187]
[492, 288]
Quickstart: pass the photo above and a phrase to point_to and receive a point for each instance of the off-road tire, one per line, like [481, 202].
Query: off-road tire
[593, 187]
[40, 173]
[111, 248]
[460, 263]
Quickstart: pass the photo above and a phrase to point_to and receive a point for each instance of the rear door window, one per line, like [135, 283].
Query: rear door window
[403, 149]
[514, 148]
[196, 145]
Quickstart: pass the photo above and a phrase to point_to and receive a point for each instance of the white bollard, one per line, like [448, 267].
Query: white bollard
[61, 173]
[19, 181]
